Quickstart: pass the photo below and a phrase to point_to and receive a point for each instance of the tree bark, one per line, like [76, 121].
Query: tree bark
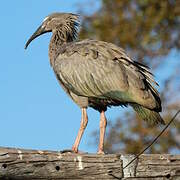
[20, 164]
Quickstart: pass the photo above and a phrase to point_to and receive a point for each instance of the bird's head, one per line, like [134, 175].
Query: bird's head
[66, 23]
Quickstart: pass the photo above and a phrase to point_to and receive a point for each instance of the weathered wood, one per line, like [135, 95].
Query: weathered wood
[159, 165]
[17, 164]
[32, 164]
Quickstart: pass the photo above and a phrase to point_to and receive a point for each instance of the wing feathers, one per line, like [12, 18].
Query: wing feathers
[99, 69]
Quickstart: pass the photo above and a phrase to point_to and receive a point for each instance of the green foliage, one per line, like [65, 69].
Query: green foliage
[146, 28]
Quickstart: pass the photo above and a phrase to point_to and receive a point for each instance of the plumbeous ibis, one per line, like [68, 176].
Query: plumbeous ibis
[98, 74]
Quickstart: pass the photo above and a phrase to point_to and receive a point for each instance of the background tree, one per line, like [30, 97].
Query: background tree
[150, 32]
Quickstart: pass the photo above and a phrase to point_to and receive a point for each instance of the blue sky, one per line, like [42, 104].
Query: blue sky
[34, 110]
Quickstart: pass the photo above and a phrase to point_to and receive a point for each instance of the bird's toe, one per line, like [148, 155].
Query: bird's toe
[75, 149]
[100, 152]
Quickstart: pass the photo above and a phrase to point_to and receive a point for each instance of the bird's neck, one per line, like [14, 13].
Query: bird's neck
[58, 39]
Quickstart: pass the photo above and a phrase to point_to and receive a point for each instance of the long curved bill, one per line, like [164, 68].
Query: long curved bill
[37, 33]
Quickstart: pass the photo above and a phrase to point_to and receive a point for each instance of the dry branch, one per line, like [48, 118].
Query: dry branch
[16, 164]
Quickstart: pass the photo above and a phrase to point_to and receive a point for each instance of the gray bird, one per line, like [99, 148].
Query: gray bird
[98, 74]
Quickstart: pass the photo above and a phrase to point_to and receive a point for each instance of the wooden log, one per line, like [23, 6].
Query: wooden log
[20, 164]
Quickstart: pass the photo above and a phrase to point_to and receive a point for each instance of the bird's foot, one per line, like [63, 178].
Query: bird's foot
[101, 152]
[75, 150]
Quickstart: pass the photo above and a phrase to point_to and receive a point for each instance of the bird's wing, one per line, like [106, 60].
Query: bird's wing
[98, 69]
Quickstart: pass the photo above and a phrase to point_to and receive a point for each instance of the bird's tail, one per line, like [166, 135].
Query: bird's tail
[152, 117]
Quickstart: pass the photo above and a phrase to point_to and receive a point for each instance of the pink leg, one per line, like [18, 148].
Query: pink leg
[84, 121]
[103, 123]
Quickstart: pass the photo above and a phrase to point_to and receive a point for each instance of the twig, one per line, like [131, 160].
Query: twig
[155, 139]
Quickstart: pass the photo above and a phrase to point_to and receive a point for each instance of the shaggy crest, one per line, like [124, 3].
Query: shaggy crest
[66, 24]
